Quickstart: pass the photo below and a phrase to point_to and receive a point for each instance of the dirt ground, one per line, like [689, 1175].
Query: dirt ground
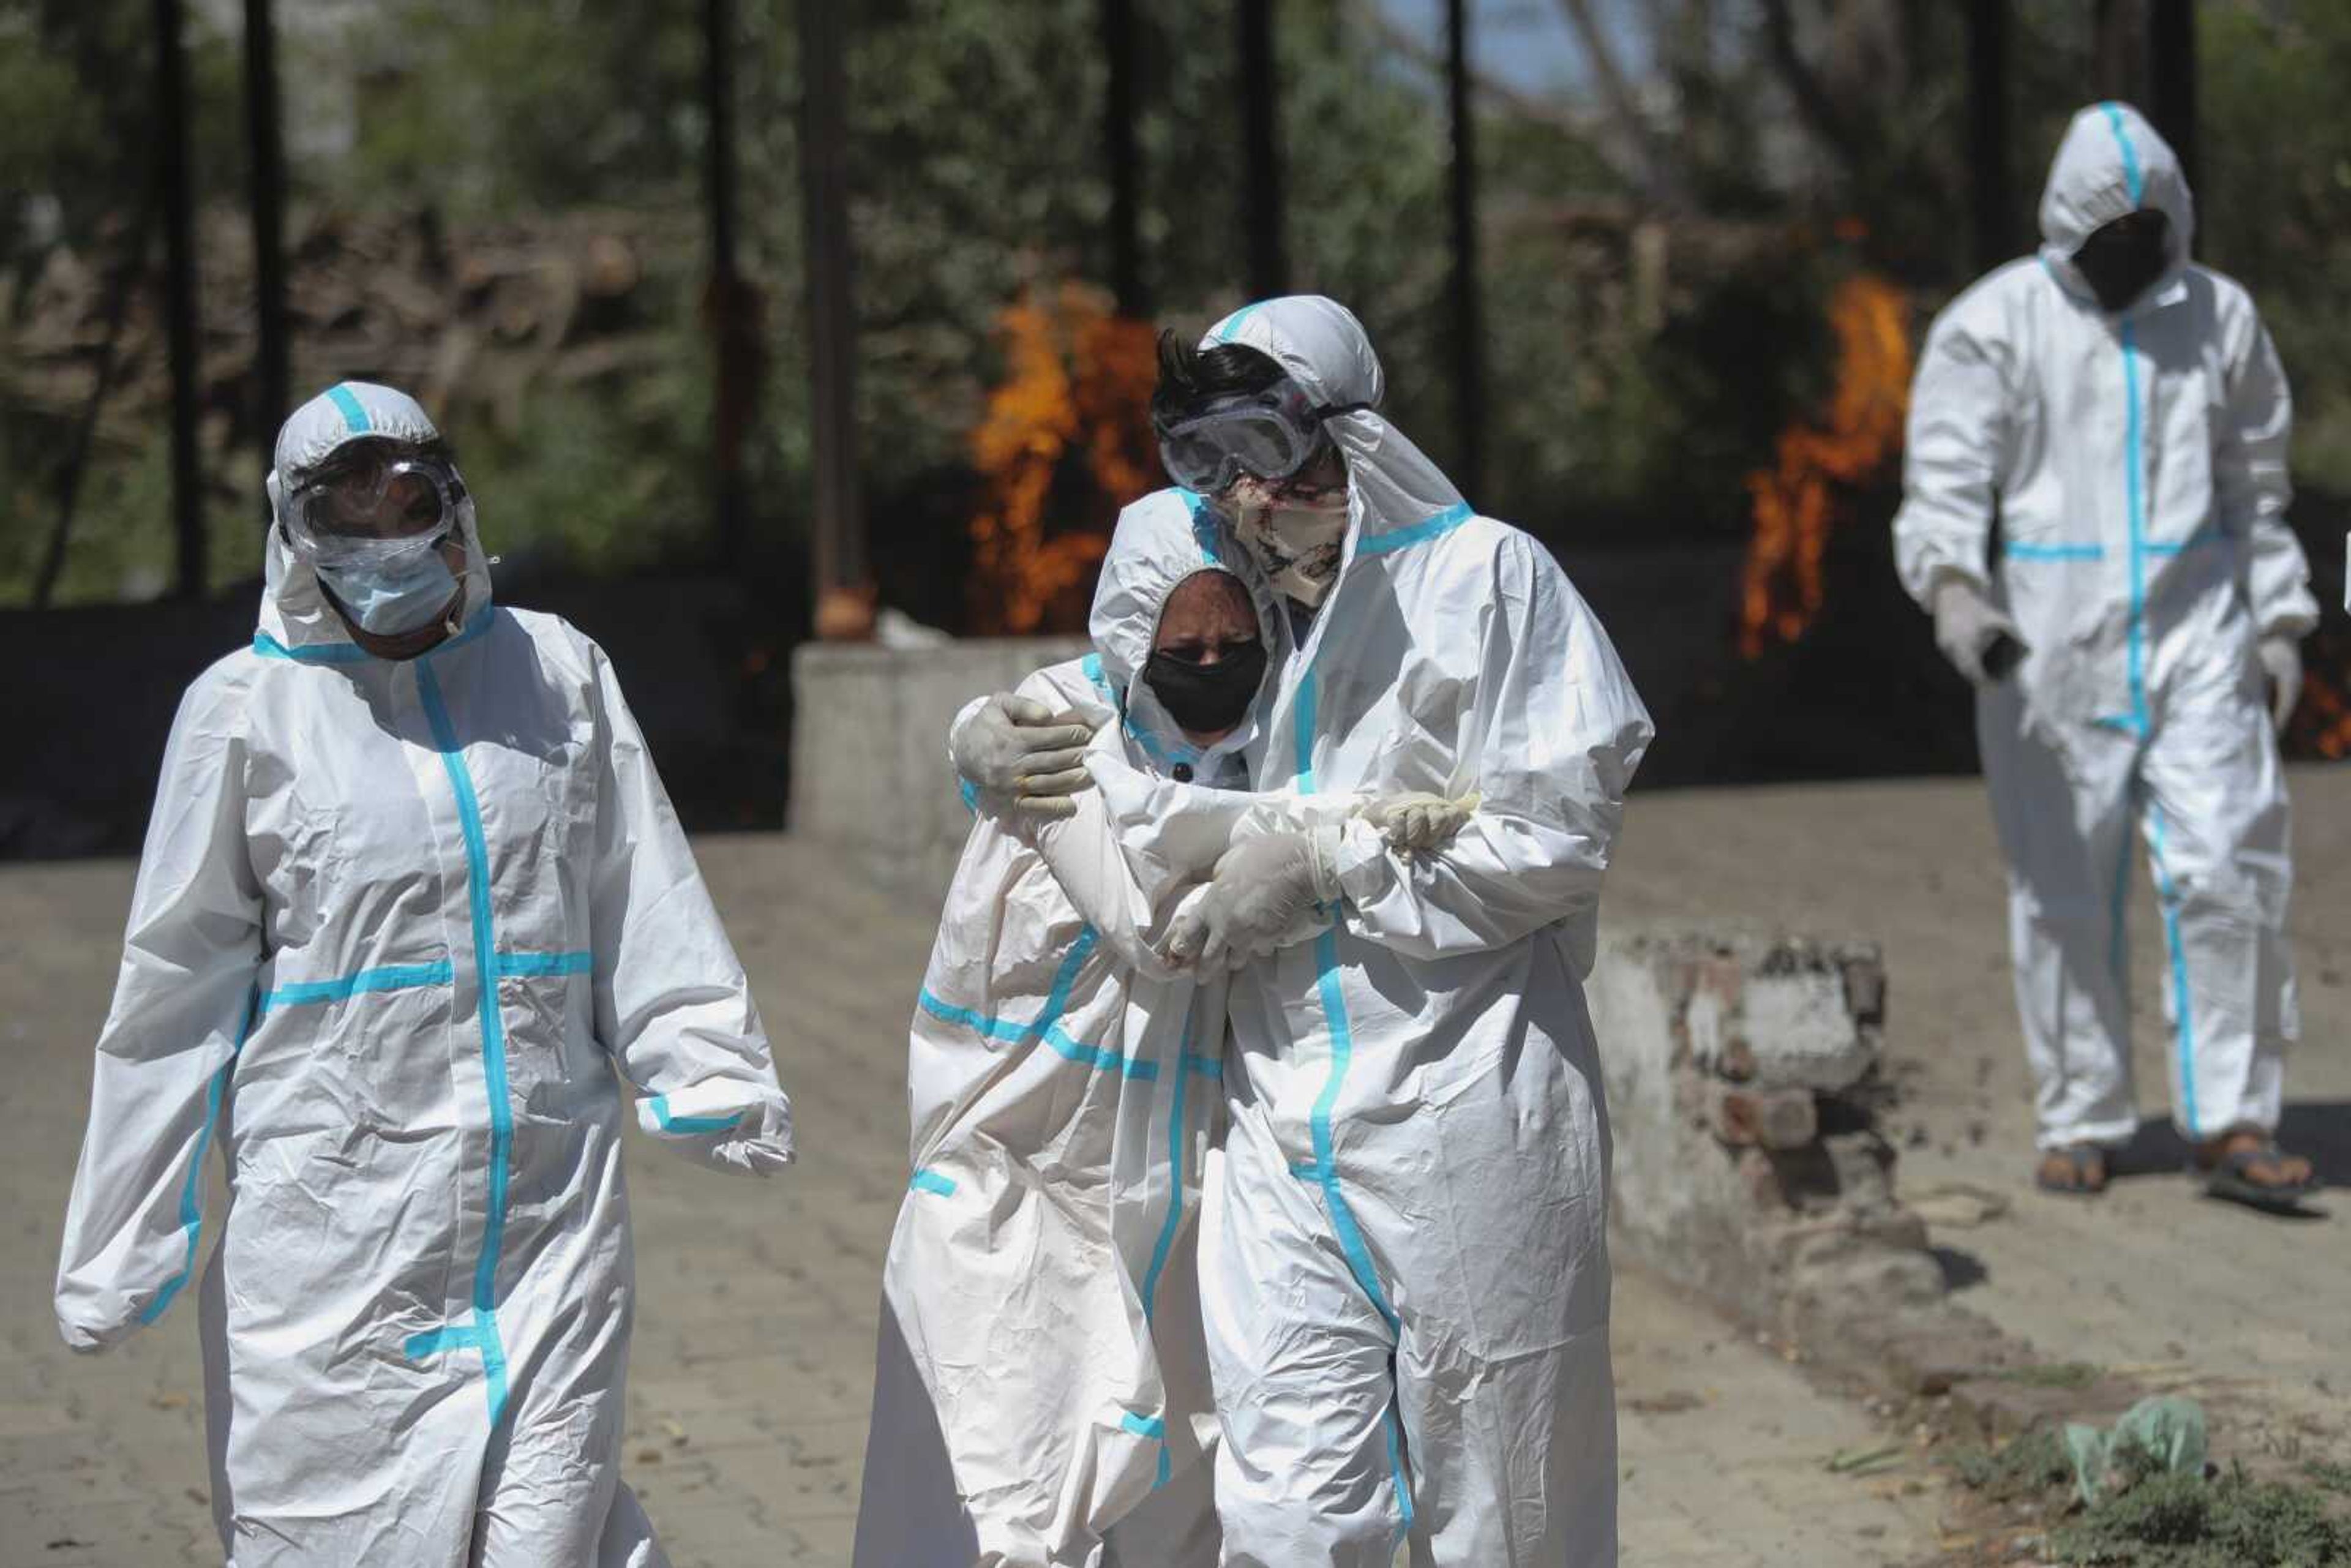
[2242, 1310]
[753, 1354]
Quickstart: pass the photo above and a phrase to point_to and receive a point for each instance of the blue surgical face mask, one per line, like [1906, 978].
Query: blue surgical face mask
[389, 596]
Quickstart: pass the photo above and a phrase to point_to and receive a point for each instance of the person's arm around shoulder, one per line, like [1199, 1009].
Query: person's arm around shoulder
[182, 1002]
[672, 1003]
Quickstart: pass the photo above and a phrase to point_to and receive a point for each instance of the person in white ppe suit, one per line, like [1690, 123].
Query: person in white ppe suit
[1042, 1392]
[2113, 419]
[412, 905]
[1408, 1301]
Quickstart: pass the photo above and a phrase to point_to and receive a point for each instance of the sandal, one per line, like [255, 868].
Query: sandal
[2087, 1165]
[2231, 1179]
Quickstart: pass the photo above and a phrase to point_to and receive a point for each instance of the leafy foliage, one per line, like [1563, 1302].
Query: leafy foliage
[2028, 1465]
[1654, 278]
[2153, 1519]
[2188, 1522]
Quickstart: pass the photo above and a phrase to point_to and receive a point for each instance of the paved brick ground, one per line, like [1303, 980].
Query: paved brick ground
[748, 1397]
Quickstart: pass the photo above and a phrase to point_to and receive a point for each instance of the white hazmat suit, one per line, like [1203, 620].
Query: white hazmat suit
[401, 930]
[1407, 1307]
[2136, 464]
[1042, 1393]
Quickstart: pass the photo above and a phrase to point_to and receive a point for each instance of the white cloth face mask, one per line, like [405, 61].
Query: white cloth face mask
[1297, 547]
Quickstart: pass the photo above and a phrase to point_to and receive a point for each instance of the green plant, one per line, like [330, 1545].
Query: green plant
[2188, 1522]
[2054, 1374]
[2028, 1465]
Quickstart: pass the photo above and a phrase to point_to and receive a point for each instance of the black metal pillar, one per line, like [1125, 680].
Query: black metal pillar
[840, 523]
[2115, 54]
[1995, 224]
[170, 134]
[265, 165]
[731, 323]
[1268, 265]
[1118, 151]
[1469, 357]
[2172, 81]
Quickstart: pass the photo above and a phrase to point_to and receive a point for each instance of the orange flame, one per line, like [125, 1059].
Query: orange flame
[1078, 382]
[1795, 502]
[2321, 722]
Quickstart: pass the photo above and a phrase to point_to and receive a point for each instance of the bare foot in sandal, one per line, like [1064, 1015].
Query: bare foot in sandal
[2244, 1165]
[2077, 1170]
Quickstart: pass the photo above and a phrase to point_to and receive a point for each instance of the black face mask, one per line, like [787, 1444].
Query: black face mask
[2121, 258]
[1207, 698]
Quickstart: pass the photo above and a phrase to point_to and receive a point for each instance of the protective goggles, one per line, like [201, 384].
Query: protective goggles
[1271, 434]
[377, 510]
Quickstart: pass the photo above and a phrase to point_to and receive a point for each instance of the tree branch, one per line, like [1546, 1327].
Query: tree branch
[1813, 104]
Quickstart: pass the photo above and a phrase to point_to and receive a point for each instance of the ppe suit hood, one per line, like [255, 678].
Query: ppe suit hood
[2112, 163]
[294, 608]
[1392, 486]
[1159, 541]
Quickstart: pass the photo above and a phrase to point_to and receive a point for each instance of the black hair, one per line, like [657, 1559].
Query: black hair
[1189, 377]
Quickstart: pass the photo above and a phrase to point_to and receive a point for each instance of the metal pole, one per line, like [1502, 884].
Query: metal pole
[1268, 268]
[1988, 131]
[179, 292]
[840, 554]
[1469, 366]
[266, 158]
[2113, 24]
[729, 322]
[1118, 149]
[2171, 83]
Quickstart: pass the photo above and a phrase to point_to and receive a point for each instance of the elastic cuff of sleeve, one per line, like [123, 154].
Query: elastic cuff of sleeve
[715, 1106]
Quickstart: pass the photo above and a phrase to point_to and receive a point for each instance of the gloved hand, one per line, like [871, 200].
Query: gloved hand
[2282, 662]
[1017, 746]
[1413, 821]
[761, 1144]
[1970, 630]
[1265, 895]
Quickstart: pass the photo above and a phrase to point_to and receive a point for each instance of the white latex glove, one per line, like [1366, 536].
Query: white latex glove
[1015, 746]
[1417, 822]
[1266, 894]
[2282, 662]
[1968, 626]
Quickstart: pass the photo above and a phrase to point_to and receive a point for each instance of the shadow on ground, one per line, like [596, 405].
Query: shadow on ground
[1961, 1270]
[2318, 1130]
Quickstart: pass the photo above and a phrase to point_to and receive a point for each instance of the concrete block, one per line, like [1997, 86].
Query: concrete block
[870, 774]
[1803, 1032]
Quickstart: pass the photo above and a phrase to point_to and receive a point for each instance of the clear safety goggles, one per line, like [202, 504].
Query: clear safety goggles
[1269, 435]
[375, 512]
